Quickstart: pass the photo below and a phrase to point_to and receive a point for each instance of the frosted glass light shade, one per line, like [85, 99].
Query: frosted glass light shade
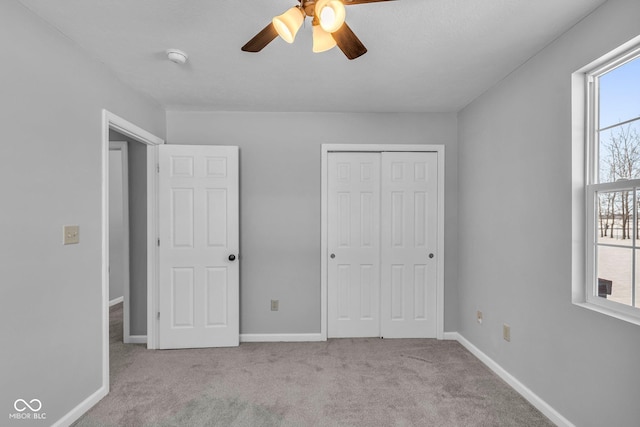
[288, 24]
[322, 41]
[331, 14]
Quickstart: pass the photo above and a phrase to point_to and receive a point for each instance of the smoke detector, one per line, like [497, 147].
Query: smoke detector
[177, 56]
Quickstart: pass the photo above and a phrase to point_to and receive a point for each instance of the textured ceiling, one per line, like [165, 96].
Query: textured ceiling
[424, 55]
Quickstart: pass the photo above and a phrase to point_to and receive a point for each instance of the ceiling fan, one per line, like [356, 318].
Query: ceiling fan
[329, 28]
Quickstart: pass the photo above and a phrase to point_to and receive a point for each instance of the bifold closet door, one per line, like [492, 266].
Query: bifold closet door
[354, 245]
[409, 223]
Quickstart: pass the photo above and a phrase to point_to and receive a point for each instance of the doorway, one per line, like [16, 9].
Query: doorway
[111, 122]
[128, 233]
[382, 241]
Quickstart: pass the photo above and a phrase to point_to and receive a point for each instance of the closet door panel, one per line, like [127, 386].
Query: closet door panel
[353, 245]
[408, 236]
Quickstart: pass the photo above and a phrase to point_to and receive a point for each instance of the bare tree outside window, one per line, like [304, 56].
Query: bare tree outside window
[619, 161]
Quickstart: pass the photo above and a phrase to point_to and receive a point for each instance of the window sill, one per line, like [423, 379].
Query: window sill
[609, 312]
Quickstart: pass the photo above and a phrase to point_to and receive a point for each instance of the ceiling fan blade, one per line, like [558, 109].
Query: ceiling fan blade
[348, 42]
[261, 39]
[350, 2]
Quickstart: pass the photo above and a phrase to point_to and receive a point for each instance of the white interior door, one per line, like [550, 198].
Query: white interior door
[409, 243]
[354, 243]
[199, 245]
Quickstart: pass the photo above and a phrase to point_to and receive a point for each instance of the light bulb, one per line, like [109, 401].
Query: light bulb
[331, 14]
[328, 17]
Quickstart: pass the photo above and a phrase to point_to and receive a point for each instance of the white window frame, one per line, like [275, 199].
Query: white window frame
[585, 170]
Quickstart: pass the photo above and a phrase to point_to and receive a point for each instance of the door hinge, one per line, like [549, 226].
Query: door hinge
[158, 315]
[158, 168]
[158, 242]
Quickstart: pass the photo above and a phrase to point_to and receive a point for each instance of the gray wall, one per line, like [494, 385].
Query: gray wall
[137, 233]
[280, 200]
[50, 167]
[515, 234]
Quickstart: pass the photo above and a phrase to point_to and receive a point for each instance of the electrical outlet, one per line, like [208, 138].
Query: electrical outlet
[275, 305]
[479, 316]
[506, 332]
[71, 234]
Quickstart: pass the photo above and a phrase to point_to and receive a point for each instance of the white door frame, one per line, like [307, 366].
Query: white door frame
[122, 146]
[324, 218]
[128, 129]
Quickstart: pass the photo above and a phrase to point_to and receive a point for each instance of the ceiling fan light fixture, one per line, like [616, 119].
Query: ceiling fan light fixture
[322, 41]
[328, 15]
[288, 24]
[331, 14]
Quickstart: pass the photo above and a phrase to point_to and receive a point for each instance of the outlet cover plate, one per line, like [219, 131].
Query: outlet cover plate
[71, 234]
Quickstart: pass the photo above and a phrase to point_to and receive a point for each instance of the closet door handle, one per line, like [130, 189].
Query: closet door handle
[431, 255]
[232, 257]
[332, 256]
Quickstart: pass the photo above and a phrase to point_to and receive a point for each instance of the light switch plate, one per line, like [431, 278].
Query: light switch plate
[275, 305]
[506, 332]
[71, 234]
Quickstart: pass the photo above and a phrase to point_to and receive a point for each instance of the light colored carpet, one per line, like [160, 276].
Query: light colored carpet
[346, 382]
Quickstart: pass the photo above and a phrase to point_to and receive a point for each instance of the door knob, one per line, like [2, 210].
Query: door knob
[232, 257]
[332, 256]
[431, 255]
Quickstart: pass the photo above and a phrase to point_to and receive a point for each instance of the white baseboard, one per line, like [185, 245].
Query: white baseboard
[116, 301]
[450, 336]
[533, 398]
[135, 339]
[280, 337]
[83, 407]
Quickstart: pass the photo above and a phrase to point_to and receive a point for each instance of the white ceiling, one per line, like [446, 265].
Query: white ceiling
[424, 55]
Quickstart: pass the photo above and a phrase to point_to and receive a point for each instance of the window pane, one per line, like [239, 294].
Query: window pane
[620, 94]
[614, 266]
[619, 151]
[614, 217]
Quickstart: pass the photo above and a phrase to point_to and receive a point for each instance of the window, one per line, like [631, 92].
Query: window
[612, 130]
